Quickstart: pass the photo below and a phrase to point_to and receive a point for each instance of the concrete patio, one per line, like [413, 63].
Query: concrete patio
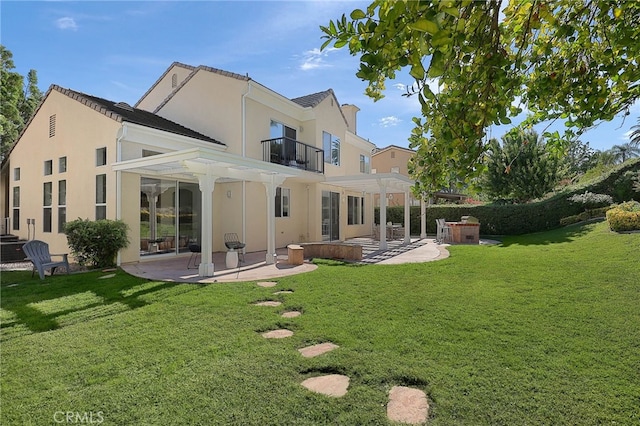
[174, 268]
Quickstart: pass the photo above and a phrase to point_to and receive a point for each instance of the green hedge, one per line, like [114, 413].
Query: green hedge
[515, 219]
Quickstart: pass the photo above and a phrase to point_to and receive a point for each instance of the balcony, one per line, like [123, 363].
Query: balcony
[291, 153]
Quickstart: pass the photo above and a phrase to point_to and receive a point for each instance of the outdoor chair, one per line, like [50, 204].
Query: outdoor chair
[38, 253]
[232, 242]
[195, 250]
[443, 231]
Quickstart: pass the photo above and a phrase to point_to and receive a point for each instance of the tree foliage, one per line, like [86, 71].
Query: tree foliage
[19, 101]
[522, 168]
[479, 63]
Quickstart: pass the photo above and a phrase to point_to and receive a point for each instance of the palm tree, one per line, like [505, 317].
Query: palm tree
[625, 151]
[634, 137]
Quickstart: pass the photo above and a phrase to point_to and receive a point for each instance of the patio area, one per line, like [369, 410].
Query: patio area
[254, 267]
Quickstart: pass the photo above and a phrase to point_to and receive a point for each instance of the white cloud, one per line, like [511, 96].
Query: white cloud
[626, 136]
[66, 23]
[389, 121]
[400, 86]
[315, 58]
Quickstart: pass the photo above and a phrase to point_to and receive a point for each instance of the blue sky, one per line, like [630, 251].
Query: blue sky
[118, 49]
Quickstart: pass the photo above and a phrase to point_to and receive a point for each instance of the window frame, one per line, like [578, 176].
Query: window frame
[62, 205]
[101, 196]
[48, 167]
[62, 164]
[283, 202]
[47, 206]
[101, 156]
[16, 208]
[355, 210]
[330, 145]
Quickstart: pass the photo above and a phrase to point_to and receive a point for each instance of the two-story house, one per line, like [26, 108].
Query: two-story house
[204, 152]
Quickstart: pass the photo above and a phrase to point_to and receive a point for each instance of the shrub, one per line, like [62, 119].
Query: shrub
[590, 200]
[96, 243]
[624, 217]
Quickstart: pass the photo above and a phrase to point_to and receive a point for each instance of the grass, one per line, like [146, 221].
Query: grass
[542, 329]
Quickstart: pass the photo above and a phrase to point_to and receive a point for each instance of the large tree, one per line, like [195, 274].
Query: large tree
[17, 102]
[520, 169]
[478, 63]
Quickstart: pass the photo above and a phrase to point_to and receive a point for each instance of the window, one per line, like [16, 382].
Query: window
[331, 146]
[101, 156]
[101, 197]
[395, 170]
[62, 205]
[393, 154]
[364, 164]
[16, 174]
[47, 200]
[62, 164]
[16, 208]
[355, 210]
[52, 125]
[174, 80]
[48, 167]
[282, 202]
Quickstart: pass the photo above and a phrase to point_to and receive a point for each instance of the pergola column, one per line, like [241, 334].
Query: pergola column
[407, 218]
[206, 183]
[270, 183]
[383, 215]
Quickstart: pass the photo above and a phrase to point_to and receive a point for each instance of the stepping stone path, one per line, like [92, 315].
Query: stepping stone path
[407, 405]
[268, 303]
[315, 350]
[331, 385]
[277, 334]
[106, 276]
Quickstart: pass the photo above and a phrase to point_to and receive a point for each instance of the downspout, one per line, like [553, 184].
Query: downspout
[122, 134]
[244, 154]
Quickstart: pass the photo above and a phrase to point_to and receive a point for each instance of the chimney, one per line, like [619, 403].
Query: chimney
[350, 112]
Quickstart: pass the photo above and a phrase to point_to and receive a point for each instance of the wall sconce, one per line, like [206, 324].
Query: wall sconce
[229, 194]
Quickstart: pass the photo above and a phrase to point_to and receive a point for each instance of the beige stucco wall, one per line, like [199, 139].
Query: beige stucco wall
[163, 87]
[79, 131]
[210, 103]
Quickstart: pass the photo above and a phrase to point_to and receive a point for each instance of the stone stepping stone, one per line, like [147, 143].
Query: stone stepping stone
[277, 334]
[267, 284]
[283, 292]
[291, 314]
[407, 405]
[315, 350]
[106, 276]
[331, 385]
[268, 303]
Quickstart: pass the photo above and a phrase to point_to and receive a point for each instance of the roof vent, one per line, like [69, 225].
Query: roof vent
[124, 105]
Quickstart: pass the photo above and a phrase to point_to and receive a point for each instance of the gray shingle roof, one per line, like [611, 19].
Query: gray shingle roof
[313, 99]
[123, 112]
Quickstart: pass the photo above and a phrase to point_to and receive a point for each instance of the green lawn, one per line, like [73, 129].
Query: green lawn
[543, 329]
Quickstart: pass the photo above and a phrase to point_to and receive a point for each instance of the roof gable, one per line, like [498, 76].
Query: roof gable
[123, 112]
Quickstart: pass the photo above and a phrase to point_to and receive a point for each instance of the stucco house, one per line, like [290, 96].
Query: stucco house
[204, 152]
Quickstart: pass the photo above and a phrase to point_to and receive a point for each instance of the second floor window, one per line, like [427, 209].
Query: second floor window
[331, 146]
[62, 164]
[364, 164]
[101, 156]
[48, 167]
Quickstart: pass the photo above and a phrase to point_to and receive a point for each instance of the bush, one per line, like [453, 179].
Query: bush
[624, 217]
[590, 200]
[96, 243]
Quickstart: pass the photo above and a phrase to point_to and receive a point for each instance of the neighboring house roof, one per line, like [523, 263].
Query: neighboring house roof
[387, 148]
[124, 112]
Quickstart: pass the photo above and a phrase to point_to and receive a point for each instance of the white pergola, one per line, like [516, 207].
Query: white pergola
[383, 184]
[209, 166]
